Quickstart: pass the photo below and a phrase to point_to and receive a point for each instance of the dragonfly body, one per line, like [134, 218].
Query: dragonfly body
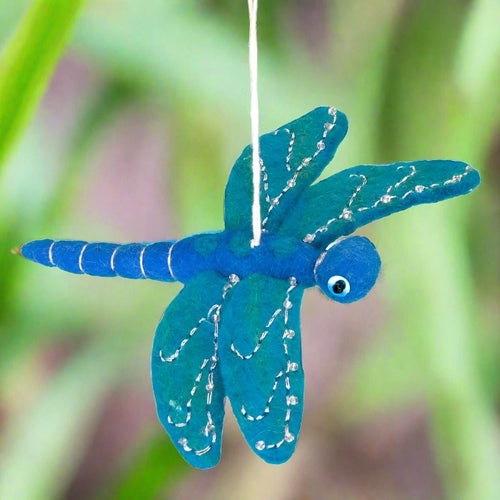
[234, 329]
[228, 253]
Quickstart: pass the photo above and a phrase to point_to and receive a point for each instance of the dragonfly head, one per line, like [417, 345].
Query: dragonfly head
[347, 270]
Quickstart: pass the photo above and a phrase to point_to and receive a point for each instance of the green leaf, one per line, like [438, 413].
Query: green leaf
[28, 62]
[150, 470]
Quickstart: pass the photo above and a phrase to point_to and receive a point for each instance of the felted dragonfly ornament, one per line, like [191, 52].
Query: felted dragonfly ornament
[234, 329]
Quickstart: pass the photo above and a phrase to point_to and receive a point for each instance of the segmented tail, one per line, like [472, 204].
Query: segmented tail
[134, 260]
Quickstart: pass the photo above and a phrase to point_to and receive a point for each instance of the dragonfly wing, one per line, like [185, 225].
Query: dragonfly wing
[292, 157]
[185, 369]
[340, 204]
[261, 363]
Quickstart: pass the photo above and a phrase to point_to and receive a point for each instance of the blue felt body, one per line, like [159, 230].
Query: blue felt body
[225, 252]
[356, 260]
[234, 330]
[134, 260]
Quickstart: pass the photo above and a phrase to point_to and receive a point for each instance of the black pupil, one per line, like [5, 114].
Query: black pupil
[339, 286]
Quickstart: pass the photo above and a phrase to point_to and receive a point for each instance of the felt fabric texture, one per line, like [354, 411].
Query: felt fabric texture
[185, 369]
[199, 356]
[352, 198]
[155, 261]
[193, 255]
[126, 262]
[260, 352]
[38, 251]
[276, 256]
[133, 261]
[293, 156]
[96, 259]
[230, 253]
[355, 261]
[234, 329]
[225, 252]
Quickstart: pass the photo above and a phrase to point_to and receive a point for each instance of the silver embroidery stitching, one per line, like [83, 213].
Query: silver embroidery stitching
[263, 335]
[169, 261]
[112, 260]
[290, 399]
[209, 430]
[51, 257]
[80, 257]
[141, 263]
[192, 392]
[385, 198]
[292, 182]
[268, 403]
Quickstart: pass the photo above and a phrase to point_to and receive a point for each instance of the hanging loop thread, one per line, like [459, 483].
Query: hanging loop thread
[254, 119]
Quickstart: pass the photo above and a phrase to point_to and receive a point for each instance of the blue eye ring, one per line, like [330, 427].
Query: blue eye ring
[338, 286]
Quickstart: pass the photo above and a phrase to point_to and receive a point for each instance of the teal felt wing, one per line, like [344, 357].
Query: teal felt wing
[340, 204]
[185, 369]
[261, 363]
[292, 157]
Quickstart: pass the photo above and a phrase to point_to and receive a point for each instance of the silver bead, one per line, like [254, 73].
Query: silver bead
[260, 445]
[346, 214]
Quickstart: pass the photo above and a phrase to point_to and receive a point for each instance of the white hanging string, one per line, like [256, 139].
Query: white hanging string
[254, 118]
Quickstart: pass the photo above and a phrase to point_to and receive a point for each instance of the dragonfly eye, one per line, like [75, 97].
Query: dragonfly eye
[338, 286]
[348, 269]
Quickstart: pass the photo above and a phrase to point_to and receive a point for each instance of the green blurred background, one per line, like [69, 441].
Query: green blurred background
[133, 140]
